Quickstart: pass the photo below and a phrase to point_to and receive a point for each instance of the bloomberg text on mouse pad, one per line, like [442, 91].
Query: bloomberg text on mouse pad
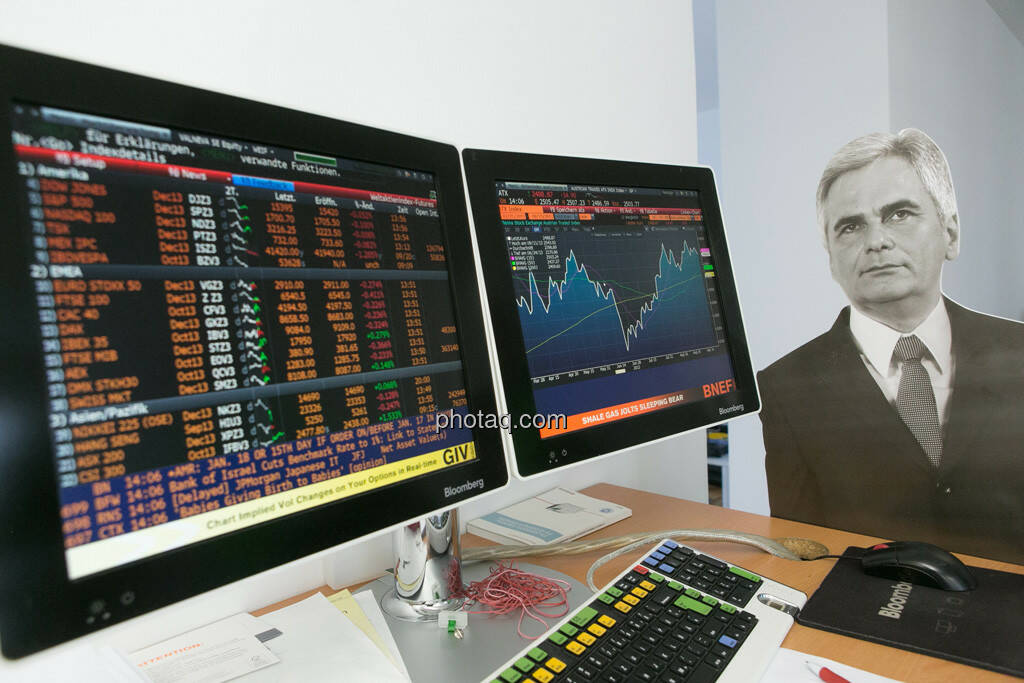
[981, 627]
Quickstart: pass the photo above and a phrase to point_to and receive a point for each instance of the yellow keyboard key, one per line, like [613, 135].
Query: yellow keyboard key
[622, 607]
[606, 620]
[575, 648]
[543, 675]
[639, 592]
[586, 638]
[555, 664]
[597, 630]
[647, 585]
[631, 599]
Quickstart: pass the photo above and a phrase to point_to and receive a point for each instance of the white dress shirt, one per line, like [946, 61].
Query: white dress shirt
[877, 342]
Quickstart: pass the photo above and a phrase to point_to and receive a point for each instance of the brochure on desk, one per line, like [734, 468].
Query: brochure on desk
[555, 516]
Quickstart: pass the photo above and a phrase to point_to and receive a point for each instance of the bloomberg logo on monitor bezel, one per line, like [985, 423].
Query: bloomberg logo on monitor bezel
[469, 485]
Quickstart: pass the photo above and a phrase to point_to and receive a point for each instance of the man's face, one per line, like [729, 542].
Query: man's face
[885, 240]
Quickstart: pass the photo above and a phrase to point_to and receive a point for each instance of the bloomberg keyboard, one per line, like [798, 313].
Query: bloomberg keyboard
[677, 616]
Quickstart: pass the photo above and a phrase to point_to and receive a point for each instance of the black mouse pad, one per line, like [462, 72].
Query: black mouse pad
[982, 627]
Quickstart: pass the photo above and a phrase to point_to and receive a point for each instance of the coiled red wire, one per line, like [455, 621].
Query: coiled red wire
[508, 589]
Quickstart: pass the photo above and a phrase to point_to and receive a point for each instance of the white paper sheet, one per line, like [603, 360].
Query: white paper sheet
[345, 603]
[318, 642]
[371, 609]
[790, 666]
[83, 664]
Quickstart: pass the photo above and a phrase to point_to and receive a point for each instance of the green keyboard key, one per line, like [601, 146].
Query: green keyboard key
[606, 598]
[683, 602]
[584, 616]
[612, 590]
[511, 675]
[726, 607]
[655, 577]
[558, 638]
[707, 599]
[537, 654]
[693, 593]
[524, 664]
[569, 630]
[676, 586]
[745, 574]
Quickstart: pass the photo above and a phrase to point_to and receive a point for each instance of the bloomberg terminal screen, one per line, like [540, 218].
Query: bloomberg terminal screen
[231, 331]
[617, 302]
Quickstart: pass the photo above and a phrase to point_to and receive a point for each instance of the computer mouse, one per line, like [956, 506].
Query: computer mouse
[922, 564]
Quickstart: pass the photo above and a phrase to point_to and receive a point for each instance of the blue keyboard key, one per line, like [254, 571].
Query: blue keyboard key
[727, 641]
[658, 556]
[650, 562]
[664, 550]
[671, 544]
[667, 568]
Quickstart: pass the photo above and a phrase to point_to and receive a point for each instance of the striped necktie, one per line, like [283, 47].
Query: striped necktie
[915, 399]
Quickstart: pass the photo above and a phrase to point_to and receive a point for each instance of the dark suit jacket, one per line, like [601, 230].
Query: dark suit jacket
[837, 453]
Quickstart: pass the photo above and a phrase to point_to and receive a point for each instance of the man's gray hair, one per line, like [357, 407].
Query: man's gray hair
[918, 149]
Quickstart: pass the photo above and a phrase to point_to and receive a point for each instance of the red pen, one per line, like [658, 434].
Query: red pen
[825, 674]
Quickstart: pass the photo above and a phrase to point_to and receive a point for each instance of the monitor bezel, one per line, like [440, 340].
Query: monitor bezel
[534, 456]
[39, 605]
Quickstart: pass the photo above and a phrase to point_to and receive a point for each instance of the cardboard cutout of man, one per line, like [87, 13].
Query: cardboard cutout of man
[906, 419]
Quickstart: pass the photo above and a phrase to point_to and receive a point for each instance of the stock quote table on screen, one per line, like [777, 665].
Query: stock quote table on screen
[615, 293]
[231, 331]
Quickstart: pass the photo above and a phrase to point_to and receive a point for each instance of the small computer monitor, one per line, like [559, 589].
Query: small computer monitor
[228, 329]
[612, 300]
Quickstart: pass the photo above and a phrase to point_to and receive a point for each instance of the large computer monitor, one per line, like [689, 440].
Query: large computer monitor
[612, 300]
[228, 328]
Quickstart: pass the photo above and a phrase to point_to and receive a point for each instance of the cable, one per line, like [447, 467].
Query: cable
[508, 589]
[786, 548]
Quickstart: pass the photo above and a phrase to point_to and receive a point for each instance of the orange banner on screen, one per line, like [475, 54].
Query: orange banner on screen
[621, 411]
[512, 212]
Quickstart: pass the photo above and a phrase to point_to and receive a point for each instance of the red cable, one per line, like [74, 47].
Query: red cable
[508, 589]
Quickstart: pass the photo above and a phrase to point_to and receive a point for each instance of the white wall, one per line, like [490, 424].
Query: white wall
[957, 73]
[796, 79]
[595, 78]
[588, 78]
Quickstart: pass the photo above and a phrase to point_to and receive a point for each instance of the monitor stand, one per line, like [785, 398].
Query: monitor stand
[432, 655]
[428, 568]
[427, 580]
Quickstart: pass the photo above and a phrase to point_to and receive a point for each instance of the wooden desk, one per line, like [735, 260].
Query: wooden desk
[804, 576]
